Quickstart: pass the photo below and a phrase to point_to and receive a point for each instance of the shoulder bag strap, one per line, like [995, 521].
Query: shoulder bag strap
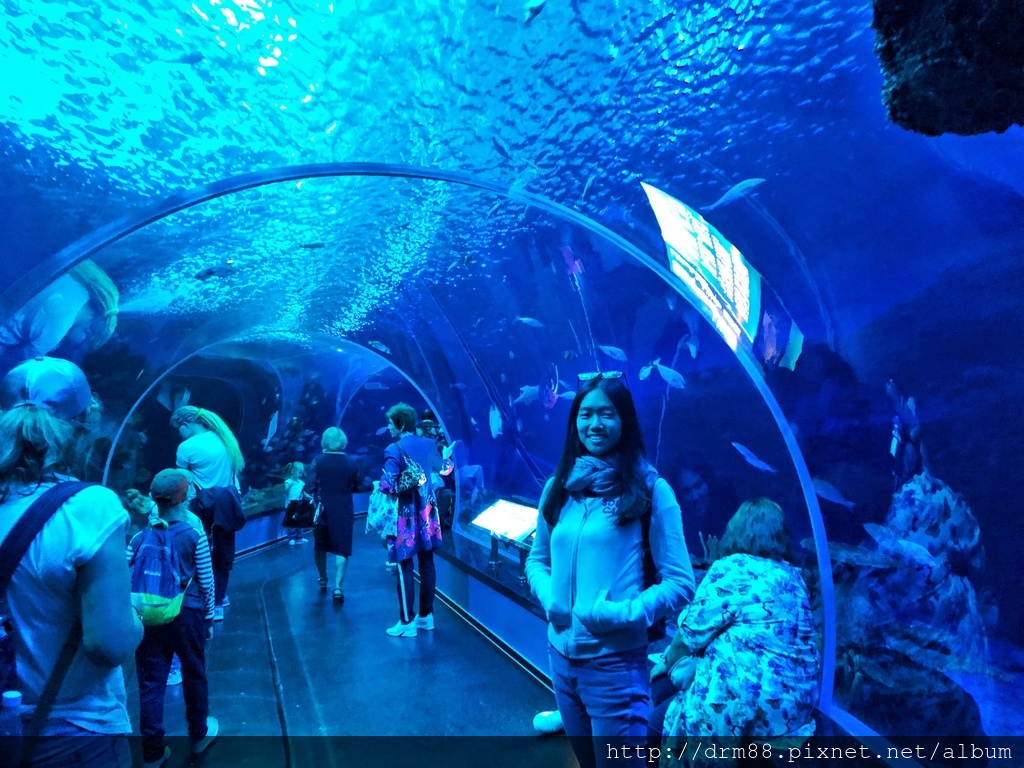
[12, 550]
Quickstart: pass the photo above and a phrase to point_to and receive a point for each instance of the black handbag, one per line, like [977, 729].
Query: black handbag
[412, 475]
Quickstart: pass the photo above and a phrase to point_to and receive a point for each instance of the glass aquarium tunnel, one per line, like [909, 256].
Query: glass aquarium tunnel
[352, 312]
[808, 303]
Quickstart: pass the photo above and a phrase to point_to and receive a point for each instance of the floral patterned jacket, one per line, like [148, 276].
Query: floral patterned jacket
[418, 526]
[751, 630]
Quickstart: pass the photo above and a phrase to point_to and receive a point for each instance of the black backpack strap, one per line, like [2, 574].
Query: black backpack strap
[651, 574]
[12, 550]
[24, 532]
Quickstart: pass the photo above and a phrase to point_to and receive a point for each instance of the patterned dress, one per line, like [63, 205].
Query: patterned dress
[751, 629]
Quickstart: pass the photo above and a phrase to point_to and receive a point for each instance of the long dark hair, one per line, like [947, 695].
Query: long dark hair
[630, 455]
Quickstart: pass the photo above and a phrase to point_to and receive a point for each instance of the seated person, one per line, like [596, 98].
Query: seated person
[745, 658]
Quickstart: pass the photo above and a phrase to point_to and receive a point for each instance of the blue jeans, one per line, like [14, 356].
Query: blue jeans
[64, 745]
[605, 703]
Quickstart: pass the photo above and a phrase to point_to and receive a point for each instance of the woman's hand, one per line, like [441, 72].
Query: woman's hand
[558, 617]
[604, 615]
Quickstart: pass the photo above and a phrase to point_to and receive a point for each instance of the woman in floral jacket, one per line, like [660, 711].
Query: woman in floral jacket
[418, 531]
[745, 657]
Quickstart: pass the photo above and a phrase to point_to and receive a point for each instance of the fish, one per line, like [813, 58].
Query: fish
[692, 339]
[735, 193]
[382, 430]
[573, 265]
[375, 385]
[379, 346]
[313, 246]
[511, 355]
[500, 148]
[613, 352]
[532, 10]
[568, 355]
[189, 58]
[458, 385]
[671, 376]
[472, 421]
[646, 370]
[271, 431]
[530, 322]
[752, 460]
[495, 421]
[494, 209]
[140, 374]
[585, 188]
[504, 378]
[528, 394]
[221, 270]
[566, 395]
[829, 492]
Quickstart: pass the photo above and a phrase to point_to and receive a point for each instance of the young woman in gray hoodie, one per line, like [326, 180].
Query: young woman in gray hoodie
[586, 569]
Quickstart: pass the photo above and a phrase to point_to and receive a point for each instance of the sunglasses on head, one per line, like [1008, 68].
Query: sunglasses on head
[600, 375]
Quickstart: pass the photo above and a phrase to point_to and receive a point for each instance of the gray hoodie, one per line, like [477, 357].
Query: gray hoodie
[587, 554]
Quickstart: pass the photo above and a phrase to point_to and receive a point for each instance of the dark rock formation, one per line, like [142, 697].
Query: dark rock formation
[952, 66]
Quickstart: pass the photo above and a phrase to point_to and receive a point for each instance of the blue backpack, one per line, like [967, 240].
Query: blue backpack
[158, 581]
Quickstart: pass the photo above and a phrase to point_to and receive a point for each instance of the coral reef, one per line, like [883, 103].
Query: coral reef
[951, 66]
[907, 612]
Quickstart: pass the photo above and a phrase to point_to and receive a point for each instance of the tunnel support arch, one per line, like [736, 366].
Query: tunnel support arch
[25, 288]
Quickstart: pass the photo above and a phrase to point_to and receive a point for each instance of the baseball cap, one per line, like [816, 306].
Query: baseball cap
[55, 384]
[170, 487]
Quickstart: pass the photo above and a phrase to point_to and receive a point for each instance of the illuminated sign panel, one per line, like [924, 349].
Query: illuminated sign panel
[710, 266]
[508, 519]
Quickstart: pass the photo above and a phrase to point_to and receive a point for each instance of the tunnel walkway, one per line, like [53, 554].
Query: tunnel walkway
[290, 661]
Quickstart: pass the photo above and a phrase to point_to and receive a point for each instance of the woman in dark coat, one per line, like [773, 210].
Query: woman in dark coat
[336, 476]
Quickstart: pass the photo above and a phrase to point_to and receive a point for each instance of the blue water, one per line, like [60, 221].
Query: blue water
[895, 254]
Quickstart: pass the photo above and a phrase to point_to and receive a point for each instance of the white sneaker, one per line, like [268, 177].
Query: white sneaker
[292, 542]
[174, 677]
[226, 602]
[160, 760]
[212, 729]
[548, 722]
[218, 613]
[425, 622]
[402, 630]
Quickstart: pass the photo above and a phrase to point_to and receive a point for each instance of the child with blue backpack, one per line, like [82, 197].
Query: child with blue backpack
[172, 587]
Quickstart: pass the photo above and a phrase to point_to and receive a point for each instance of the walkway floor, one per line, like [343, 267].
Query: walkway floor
[288, 661]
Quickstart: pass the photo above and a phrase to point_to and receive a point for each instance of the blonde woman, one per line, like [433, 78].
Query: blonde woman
[336, 476]
[73, 315]
[210, 452]
[74, 576]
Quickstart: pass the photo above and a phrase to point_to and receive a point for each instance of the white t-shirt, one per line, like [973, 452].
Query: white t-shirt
[205, 456]
[46, 319]
[44, 606]
[293, 490]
